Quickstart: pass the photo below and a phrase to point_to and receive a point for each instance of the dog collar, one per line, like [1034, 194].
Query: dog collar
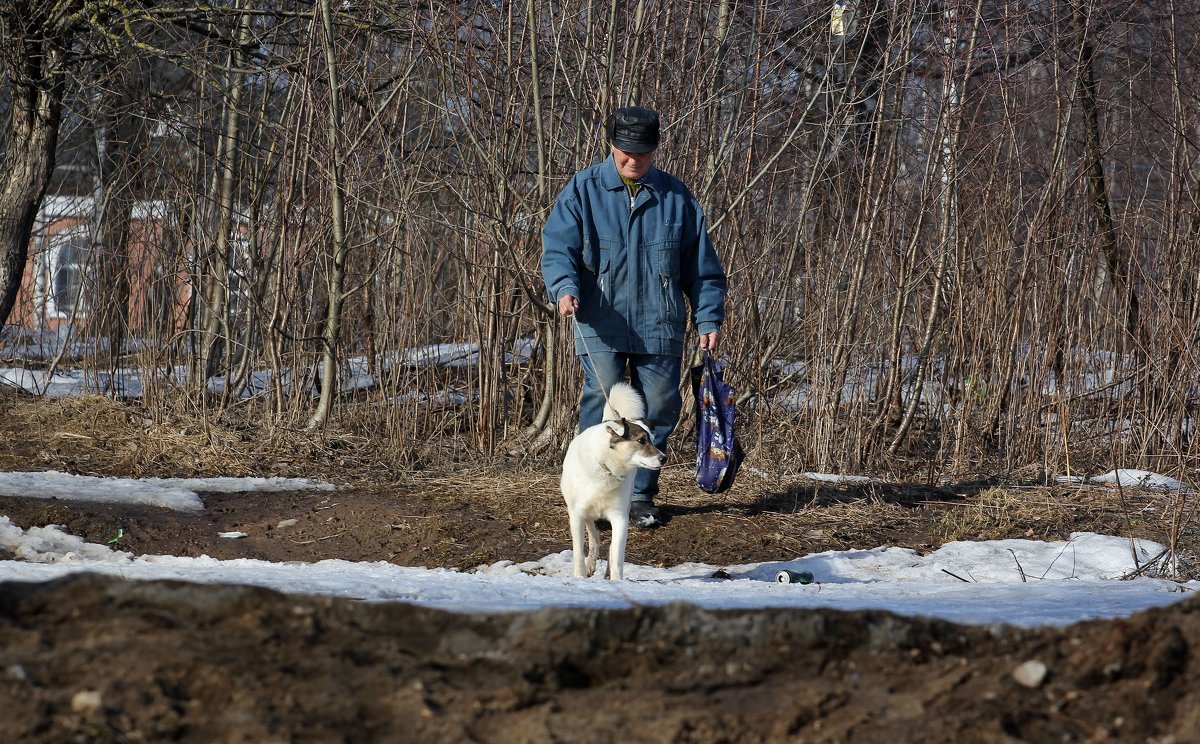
[611, 474]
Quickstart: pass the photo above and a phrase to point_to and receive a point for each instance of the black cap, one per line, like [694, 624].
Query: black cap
[633, 129]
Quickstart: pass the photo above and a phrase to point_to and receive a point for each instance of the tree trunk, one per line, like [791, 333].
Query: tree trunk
[1106, 232]
[117, 137]
[337, 271]
[27, 161]
[215, 305]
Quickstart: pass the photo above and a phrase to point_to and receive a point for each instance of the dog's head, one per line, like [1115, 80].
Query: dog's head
[631, 441]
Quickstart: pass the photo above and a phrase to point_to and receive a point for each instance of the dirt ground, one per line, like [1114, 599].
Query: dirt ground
[91, 659]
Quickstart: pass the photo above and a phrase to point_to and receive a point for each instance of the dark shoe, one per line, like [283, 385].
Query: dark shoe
[645, 515]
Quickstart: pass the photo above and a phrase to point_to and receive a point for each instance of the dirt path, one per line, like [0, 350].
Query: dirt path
[102, 660]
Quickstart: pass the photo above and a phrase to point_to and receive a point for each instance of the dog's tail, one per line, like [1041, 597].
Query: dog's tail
[624, 402]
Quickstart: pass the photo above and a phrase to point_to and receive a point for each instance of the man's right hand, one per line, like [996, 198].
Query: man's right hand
[567, 305]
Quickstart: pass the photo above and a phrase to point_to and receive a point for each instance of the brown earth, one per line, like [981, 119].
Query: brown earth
[102, 660]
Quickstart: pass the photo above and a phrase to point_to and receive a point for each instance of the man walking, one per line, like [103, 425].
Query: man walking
[624, 247]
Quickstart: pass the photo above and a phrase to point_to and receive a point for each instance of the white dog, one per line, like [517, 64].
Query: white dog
[598, 474]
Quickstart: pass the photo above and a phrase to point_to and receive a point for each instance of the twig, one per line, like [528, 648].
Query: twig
[1128, 520]
[1019, 568]
[956, 576]
[1060, 553]
[318, 539]
[1144, 567]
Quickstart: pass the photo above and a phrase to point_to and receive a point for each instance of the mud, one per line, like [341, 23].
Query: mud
[91, 659]
[102, 660]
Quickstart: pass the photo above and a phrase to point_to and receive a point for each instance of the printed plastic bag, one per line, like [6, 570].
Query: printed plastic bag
[718, 452]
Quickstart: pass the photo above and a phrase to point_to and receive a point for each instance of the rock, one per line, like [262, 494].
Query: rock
[1031, 674]
[286, 523]
[86, 702]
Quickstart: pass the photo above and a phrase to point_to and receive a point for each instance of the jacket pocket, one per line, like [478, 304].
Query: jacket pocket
[671, 298]
[591, 254]
[604, 275]
[665, 258]
[596, 285]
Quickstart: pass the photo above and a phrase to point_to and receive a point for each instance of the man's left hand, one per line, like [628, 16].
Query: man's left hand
[710, 341]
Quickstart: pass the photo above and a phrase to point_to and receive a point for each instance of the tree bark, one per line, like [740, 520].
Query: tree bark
[28, 158]
[1097, 186]
[215, 305]
[338, 250]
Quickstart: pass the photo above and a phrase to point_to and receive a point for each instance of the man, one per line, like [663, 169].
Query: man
[623, 247]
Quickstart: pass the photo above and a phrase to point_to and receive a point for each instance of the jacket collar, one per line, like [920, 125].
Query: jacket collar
[611, 180]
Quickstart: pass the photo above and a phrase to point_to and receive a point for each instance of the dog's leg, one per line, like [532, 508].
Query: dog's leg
[593, 546]
[619, 519]
[577, 554]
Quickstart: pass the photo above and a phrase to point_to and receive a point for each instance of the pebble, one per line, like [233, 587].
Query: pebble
[86, 702]
[1031, 674]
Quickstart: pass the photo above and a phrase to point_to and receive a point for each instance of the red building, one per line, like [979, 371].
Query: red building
[59, 282]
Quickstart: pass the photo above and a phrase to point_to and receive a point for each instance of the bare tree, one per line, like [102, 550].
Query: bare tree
[36, 52]
[338, 248]
[958, 234]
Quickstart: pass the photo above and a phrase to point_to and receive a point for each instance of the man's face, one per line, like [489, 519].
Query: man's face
[633, 165]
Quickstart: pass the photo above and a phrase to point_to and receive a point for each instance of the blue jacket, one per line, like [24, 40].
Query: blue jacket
[631, 266]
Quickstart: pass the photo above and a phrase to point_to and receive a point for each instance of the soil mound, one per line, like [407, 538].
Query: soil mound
[98, 659]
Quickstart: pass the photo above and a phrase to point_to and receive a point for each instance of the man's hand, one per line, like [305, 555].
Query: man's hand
[709, 341]
[567, 305]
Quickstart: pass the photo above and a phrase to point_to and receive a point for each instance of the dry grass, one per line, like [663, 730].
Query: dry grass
[95, 435]
[766, 516]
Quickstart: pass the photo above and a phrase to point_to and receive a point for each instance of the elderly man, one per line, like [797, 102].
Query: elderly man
[623, 247]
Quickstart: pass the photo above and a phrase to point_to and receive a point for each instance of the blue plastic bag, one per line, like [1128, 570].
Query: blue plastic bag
[718, 452]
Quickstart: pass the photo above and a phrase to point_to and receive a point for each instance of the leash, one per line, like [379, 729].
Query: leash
[587, 359]
[699, 356]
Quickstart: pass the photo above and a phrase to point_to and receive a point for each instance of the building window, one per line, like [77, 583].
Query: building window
[69, 257]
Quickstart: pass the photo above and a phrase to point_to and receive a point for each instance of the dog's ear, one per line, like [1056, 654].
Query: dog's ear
[617, 429]
[644, 424]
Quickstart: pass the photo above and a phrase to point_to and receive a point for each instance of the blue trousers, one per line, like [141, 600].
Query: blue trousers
[656, 376]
